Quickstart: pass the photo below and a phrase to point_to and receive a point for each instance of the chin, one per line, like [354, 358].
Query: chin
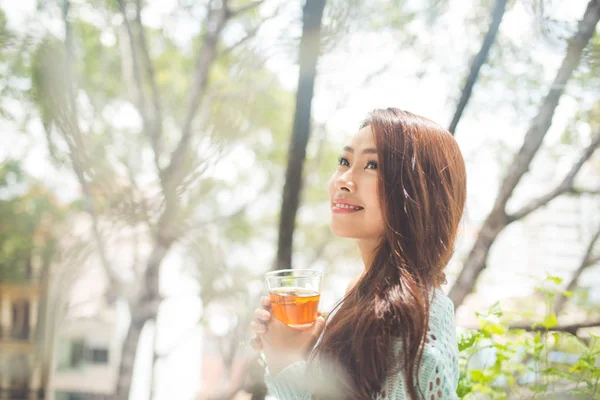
[341, 232]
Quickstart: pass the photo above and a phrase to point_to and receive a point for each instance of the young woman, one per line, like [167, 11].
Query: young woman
[399, 190]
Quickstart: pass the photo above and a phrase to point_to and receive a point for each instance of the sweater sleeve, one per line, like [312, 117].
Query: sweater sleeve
[290, 383]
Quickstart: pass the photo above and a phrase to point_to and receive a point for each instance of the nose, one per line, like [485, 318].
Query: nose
[345, 182]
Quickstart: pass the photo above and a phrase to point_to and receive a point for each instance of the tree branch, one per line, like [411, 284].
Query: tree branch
[152, 121]
[478, 62]
[586, 261]
[137, 74]
[565, 186]
[246, 8]
[70, 126]
[570, 328]
[585, 191]
[249, 35]
[156, 118]
[206, 57]
[133, 188]
[541, 122]
[222, 218]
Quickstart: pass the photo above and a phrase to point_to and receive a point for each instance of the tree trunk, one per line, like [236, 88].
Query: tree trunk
[154, 361]
[478, 61]
[128, 358]
[497, 221]
[143, 308]
[43, 334]
[309, 53]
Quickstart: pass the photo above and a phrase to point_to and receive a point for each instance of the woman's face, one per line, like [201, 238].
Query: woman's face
[353, 190]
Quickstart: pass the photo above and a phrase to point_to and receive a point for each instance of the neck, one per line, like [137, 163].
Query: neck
[368, 248]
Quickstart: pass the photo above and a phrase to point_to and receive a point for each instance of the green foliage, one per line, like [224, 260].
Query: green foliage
[28, 213]
[500, 363]
[99, 68]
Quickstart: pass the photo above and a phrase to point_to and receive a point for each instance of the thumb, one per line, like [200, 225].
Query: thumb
[318, 326]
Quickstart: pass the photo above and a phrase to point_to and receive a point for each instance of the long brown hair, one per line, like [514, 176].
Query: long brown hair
[422, 192]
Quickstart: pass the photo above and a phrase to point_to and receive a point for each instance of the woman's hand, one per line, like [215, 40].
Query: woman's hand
[281, 344]
[262, 317]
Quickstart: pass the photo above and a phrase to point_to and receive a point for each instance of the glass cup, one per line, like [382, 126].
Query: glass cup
[295, 295]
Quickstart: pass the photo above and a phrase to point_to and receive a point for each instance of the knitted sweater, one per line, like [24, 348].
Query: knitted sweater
[438, 375]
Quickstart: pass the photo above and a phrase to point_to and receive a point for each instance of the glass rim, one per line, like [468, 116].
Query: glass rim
[274, 274]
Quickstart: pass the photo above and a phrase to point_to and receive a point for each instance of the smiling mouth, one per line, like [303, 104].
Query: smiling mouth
[345, 208]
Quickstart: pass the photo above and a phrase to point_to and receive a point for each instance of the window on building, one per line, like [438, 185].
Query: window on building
[20, 320]
[71, 354]
[77, 354]
[70, 396]
[98, 355]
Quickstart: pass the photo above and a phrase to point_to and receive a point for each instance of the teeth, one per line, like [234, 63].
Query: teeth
[338, 205]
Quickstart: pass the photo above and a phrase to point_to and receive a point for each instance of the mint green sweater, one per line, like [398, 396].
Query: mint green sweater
[438, 375]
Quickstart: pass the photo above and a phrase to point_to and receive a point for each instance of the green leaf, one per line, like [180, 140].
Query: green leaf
[556, 336]
[550, 321]
[495, 309]
[482, 388]
[477, 375]
[555, 279]
[467, 340]
[539, 388]
[497, 329]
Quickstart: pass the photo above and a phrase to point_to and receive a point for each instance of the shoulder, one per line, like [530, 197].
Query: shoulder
[441, 312]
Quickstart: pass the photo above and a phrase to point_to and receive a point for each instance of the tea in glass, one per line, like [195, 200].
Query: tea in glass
[295, 306]
[295, 295]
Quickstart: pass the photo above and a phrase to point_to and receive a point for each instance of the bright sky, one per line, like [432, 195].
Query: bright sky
[340, 81]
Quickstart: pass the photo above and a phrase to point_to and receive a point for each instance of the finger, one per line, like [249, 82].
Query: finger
[319, 325]
[317, 328]
[265, 302]
[257, 327]
[262, 315]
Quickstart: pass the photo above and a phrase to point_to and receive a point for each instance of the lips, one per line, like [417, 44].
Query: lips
[345, 207]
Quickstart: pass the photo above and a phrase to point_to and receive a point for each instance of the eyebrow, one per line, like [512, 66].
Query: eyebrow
[365, 151]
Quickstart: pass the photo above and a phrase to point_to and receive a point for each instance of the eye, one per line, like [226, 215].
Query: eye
[343, 161]
[371, 165]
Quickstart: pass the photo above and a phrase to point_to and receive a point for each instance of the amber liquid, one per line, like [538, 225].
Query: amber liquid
[295, 307]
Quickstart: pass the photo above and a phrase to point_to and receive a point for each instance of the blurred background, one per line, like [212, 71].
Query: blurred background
[157, 157]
